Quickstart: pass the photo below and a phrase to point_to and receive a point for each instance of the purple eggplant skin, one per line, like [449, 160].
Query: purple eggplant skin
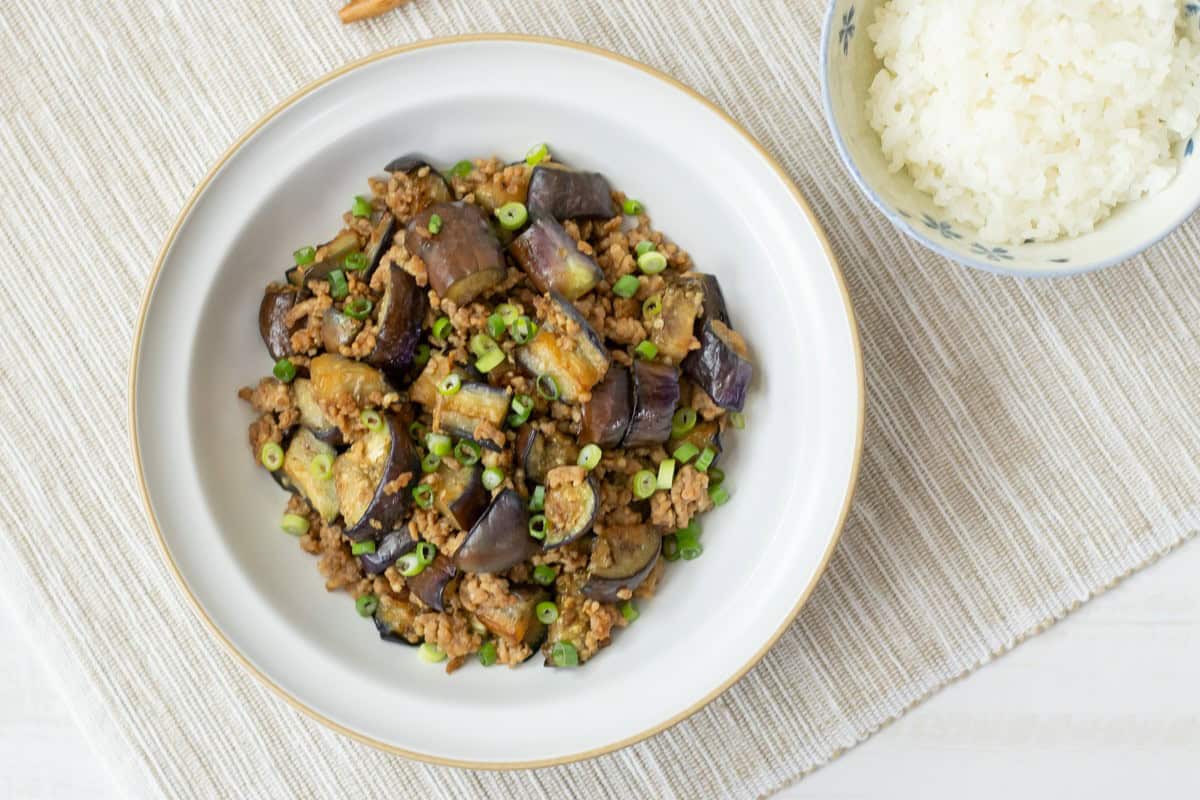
[635, 550]
[431, 187]
[607, 414]
[672, 332]
[575, 371]
[368, 458]
[312, 416]
[464, 258]
[390, 547]
[721, 367]
[460, 494]
[571, 508]
[338, 330]
[566, 194]
[655, 396]
[552, 260]
[401, 314]
[499, 539]
[538, 453]
[430, 583]
[277, 301]
[395, 620]
[714, 299]
[517, 622]
[380, 242]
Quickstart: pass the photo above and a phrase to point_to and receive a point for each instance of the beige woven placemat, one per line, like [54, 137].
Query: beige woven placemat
[1028, 443]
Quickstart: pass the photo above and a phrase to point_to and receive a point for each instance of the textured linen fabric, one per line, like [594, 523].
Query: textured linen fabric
[1028, 443]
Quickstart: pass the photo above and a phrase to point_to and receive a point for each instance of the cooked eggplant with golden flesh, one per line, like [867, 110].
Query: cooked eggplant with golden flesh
[655, 395]
[338, 330]
[704, 434]
[632, 551]
[462, 412]
[463, 257]
[367, 477]
[401, 314]
[295, 276]
[311, 414]
[390, 547]
[517, 621]
[672, 331]
[495, 193]
[334, 376]
[380, 242]
[460, 495]
[713, 304]
[430, 583]
[430, 187]
[499, 539]
[572, 629]
[567, 194]
[276, 334]
[574, 357]
[339, 246]
[539, 452]
[396, 620]
[310, 481]
[721, 367]
[607, 414]
[572, 501]
[553, 261]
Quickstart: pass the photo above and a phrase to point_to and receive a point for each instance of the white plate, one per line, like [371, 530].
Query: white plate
[707, 185]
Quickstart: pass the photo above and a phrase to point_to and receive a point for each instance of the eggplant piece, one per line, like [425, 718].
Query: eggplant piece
[538, 453]
[705, 434]
[634, 550]
[721, 367]
[430, 188]
[464, 259]
[396, 620]
[460, 495]
[339, 246]
[462, 412]
[321, 493]
[575, 370]
[566, 194]
[430, 584]
[311, 414]
[390, 547]
[401, 314]
[363, 476]
[672, 332]
[572, 502]
[499, 539]
[380, 242]
[493, 194]
[338, 330]
[553, 261]
[517, 622]
[333, 376]
[655, 395]
[607, 414]
[295, 277]
[714, 299]
[276, 334]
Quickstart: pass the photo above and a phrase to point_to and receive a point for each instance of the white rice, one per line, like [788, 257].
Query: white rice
[1033, 119]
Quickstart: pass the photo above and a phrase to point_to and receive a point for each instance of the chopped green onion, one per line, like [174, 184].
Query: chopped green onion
[416, 431]
[294, 524]
[441, 327]
[646, 349]
[537, 500]
[652, 262]
[409, 565]
[426, 552]
[644, 484]
[492, 477]
[666, 473]
[439, 443]
[365, 546]
[718, 494]
[490, 360]
[371, 419]
[685, 452]
[547, 387]
[589, 456]
[626, 286]
[643, 247]
[356, 262]
[537, 526]
[629, 611]
[547, 612]
[544, 574]
[537, 154]
[688, 540]
[652, 306]
[450, 384]
[523, 329]
[512, 215]
[670, 547]
[362, 206]
[466, 452]
[430, 653]
[430, 462]
[508, 313]
[423, 495]
[366, 603]
[737, 419]
[421, 358]
[631, 207]
[462, 169]
[706, 459]
[358, 307]
[305, 256]
[321, 467]
[496, 326]
[487, 653]
[522, 407]
[716, 476]
[435, 224]
[564, 654]
[338, 288]
[482, 343]
[683, 421]
[284, 369]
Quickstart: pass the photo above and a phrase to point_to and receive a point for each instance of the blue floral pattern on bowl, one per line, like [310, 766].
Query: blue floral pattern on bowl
[847, 73]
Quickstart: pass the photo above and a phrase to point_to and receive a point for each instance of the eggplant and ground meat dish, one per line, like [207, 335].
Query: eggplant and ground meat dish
[498, 404]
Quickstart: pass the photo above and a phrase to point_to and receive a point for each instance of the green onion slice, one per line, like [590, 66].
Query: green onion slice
[481, 343]
[492, 477]
[490, 360]
[356, 262]
[631, 207]
[737, 419]
[294, 524]
[338, 288]
[522, 407]
[305, 256]
[652, 262]
[450, 384]
[666, 473]
[426, 552]
[683, 421]
[589, 456]
[508, 313]
[366, 603]
[512, 215]
[564, 654]
[626, 286]
[629, 611]
[644, 484]
[361, 207]
[358, 307]
[537, 526]
[718, 494]
[537, 154]
[416, 431]
[409, 565]
[537, 500]
[435, 224]
[487, 653]
[438, 443]
[423, 495]
[467, 452]
[544, 574]
[523, 329]
[643, 247]
[365, 546]
[321, 466]
[496, 326]
[716, 476]
[462, 169]
[547, 387]
[430, 462]
[670, 547]
[371, 419]
[284, 370]
[685, 452]
[547, 612]
[441, 327]
[422, 356]
[652, 306]
[688, 540]
[430, 653]
[705, 460]
[646, 349]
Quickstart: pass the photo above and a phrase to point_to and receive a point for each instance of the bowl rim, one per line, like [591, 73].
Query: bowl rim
[931, 244]
[185, 213]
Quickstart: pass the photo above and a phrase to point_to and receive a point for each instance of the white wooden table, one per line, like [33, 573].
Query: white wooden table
[1104, 705]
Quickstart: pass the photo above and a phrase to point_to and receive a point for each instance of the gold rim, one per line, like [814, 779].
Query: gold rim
[312, 713]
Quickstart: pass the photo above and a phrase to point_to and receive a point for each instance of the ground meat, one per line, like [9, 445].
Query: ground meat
[263, 430]
[270, 395]
[430, 526]
[650, 585]
[450, 632]
[511, 654]
[484, 591]
[704, 404]
[625, 330]
[587, 624]
[688, 497]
